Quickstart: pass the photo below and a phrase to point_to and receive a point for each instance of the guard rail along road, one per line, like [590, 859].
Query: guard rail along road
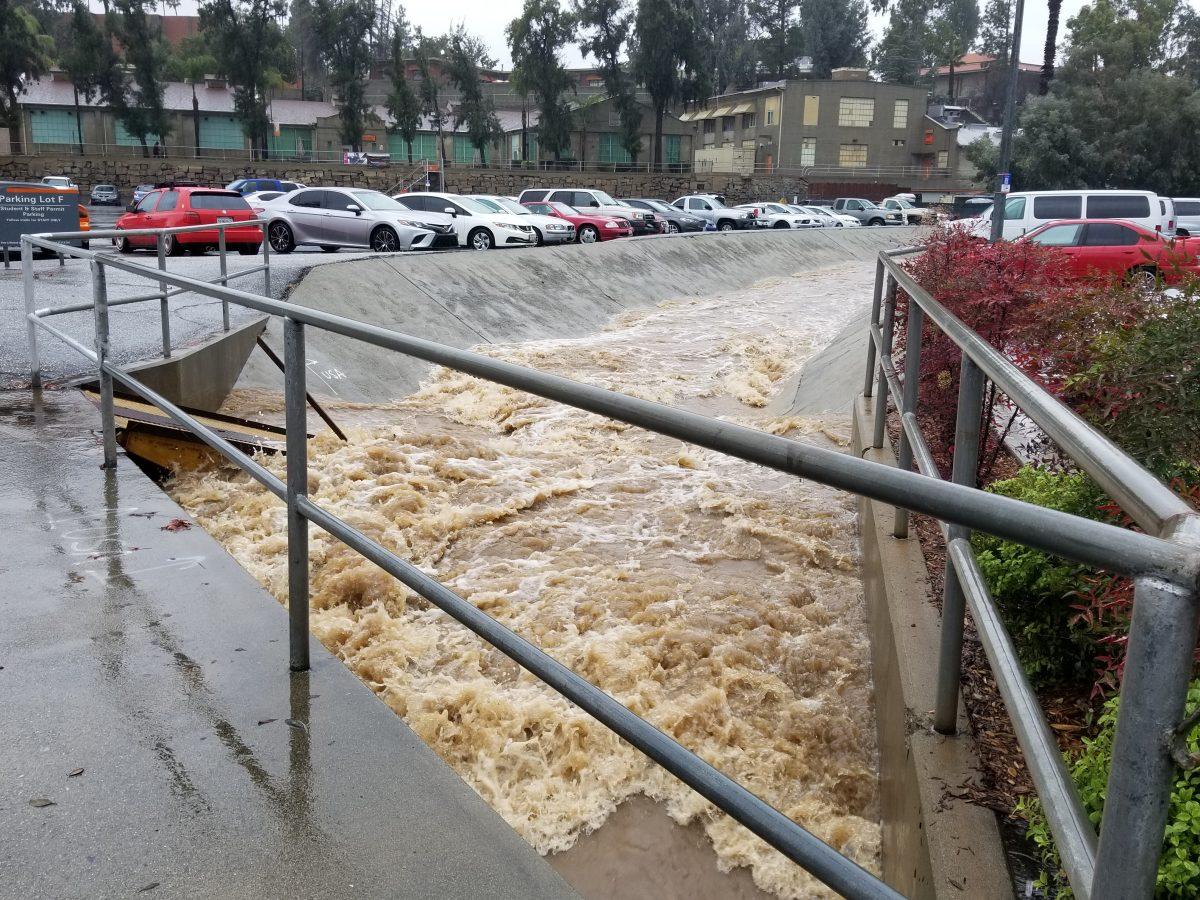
[1164, 561]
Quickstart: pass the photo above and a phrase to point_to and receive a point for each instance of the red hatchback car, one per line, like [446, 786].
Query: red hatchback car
[588, 228]
[173, 206]
[1109, 246]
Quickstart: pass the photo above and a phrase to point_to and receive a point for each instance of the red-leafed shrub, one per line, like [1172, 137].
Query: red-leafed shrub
[998, 290]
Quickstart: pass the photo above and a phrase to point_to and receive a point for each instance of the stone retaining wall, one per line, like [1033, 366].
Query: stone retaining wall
[125, 173]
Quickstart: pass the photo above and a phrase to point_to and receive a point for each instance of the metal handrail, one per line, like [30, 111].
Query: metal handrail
[1169, 566]
[1123, 863]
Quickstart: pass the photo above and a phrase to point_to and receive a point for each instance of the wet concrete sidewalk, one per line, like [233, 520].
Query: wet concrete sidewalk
[153, 742]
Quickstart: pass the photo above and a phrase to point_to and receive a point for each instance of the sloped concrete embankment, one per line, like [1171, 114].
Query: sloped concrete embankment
[464, 299]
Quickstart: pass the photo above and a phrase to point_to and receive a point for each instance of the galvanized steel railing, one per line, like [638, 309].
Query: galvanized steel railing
[1123, 862]
[1167, 570]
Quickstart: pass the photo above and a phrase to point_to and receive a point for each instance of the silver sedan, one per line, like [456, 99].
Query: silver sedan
[332, 218]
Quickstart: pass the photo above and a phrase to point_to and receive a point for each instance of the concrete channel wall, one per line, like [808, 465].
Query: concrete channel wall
[469, 298]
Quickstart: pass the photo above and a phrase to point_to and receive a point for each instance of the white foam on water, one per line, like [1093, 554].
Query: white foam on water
[719, 600]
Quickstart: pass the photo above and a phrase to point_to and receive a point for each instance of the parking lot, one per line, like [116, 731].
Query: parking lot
[135, 329]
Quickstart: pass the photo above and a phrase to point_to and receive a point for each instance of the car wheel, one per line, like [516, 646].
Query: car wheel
[384, 240]
[249, 249]
[875, 222]
[1143, 278]
[330, 248]
[588, 234]
[781, 225]
[123, 245]
[540, 240]
[171, 245]
[725, 225]
[480, 239]
[672, 228]
[280, 237]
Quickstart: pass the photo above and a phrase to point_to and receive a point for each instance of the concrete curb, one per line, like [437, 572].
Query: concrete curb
[935, 844]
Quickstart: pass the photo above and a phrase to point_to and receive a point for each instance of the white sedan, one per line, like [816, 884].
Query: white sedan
[776, 215]
[549, 229]
[477, 226]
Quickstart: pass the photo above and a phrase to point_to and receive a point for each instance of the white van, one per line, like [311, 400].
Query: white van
[1187, 214]
[1028, 210]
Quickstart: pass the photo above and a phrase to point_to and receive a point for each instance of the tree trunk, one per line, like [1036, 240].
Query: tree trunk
[410, 162]
[145, 147]
[78, 117]
[950, 82]
[524, 134]
[196, 119]
[482, 155]
[1053, 9]
[659, 112]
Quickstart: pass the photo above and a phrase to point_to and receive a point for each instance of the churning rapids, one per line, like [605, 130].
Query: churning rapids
[719, 600]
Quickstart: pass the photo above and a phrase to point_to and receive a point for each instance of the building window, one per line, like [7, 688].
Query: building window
[749, 120]
[53, 126]
[771, 107]
[292, 141]
[710, 127]
[808, 152]
[900, 114]
[728, 123]
[464, 150]
[856, 112]
[217, 133]
[611, 150]
[852, 156]
[812, 109]
[672, 147]
[899, 142]
[943, 159]
[424, 147]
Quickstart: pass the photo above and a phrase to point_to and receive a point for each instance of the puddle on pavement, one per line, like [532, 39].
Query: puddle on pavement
[719, 600]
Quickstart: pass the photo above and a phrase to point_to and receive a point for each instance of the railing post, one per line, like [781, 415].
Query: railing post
[266, 248]
[911, 391]
[876, 299]
[967, 428]
[885, 359]
[295, 412]
[221, 251]
[35, 366]
[100, 311]
[164, 309]
[1158, 664]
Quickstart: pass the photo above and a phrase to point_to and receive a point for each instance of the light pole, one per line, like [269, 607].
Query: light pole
[1003, 178]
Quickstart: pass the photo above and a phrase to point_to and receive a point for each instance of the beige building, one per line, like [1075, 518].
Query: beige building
[846, 128]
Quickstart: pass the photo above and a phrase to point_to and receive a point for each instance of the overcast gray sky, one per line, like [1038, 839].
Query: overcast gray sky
[488, 18]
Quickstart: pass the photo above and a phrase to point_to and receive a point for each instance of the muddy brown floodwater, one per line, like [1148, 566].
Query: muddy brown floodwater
[719, 600]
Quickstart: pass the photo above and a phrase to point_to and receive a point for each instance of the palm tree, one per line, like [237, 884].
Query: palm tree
[1054, 7]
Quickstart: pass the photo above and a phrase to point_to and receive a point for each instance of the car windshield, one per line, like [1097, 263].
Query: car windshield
[376, 200]
[511, 206]
[489, 204]
[104, 187]
[902, 203]
[659, 206]
[214, 200]
[563, 208]
[605, 200]
[715, 203]
[472, 206]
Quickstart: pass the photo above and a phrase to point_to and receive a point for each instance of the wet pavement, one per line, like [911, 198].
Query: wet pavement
[153, 741]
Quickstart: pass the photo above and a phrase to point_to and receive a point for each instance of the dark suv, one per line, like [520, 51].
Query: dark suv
[250, 185]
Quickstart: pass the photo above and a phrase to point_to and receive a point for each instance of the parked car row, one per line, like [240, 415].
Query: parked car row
[335, 217]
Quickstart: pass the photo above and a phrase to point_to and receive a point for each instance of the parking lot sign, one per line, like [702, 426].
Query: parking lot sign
[33, 208]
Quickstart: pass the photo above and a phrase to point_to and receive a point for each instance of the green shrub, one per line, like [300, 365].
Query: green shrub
[1179, 865]
[1033, 590]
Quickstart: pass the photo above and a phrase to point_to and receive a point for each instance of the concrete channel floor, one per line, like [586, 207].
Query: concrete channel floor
[152, 740]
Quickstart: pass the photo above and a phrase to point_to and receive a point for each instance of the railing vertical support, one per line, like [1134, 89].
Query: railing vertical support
[885, 359]
[35, 365]
[911, 391]
[1158, 664]
[876, 299]
[295, 411]
[266, 248]
[108, 423]
[222, 249]
[164, 308]
[967, 429]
